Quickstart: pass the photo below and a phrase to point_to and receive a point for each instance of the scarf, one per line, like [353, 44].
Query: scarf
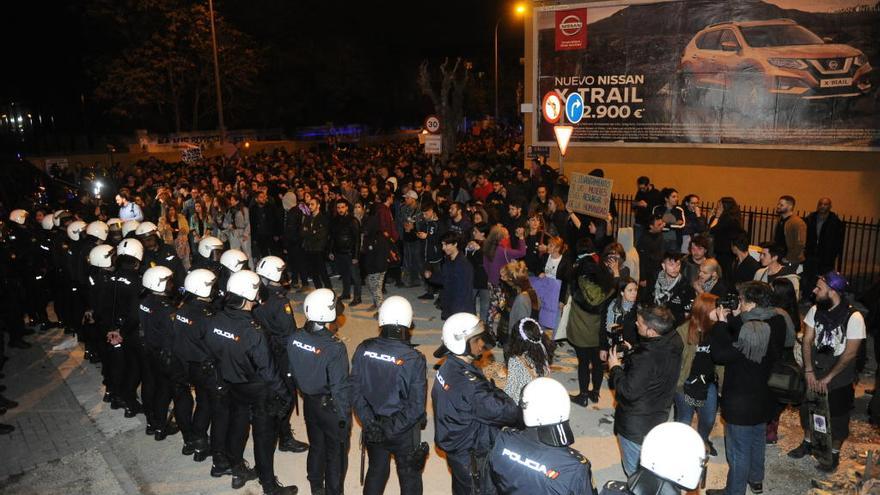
[708, 285]
[754, 336]
[663, 287]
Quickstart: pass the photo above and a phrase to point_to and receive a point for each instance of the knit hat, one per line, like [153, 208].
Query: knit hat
[835, 281]
[288, 201]
[412, 194]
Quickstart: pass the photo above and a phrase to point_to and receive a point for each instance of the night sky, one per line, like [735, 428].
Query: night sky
[345, 62]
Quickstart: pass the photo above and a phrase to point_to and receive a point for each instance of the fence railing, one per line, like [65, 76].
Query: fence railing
[859, 260]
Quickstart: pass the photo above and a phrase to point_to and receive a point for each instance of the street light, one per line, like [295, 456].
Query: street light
[217, 76]
[520, 11]
[563, 135]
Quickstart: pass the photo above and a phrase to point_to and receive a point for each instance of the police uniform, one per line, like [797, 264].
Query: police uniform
[127, 359]
[522, 465]
[155, 317]
[74, 298]
[200, 261]
[276, 316]
[57, 242]
[468, 412]
[319, 363]
[100, 301]
[241, 350]
[37, 279]
[81, 270]
[189, 327]
[18, 254]
[389, 390]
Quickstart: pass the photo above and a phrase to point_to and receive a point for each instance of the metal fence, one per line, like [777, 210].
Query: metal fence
[859, 261]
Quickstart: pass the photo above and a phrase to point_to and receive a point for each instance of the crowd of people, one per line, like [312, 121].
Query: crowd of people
[180, 288]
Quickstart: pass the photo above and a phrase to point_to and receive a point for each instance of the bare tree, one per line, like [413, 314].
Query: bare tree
[448, 99]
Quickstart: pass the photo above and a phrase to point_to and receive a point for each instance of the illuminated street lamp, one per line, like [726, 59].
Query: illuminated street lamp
[563, 135]
[520, 11]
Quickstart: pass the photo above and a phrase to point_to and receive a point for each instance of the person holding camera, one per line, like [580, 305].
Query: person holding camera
[620, 319]
[747, 345]
[644, 381]
[833, 333]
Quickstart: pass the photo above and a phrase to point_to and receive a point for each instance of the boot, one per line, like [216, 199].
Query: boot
[241, 474]
[581, 399]
[276, 488]
[132, 409]
[830, 468]
[171, 427]
[116, 402]
[286, 443]
[189, 446]
[201, 449]
[803, 449]
[107, 396]
[160, 434]
[220, 466]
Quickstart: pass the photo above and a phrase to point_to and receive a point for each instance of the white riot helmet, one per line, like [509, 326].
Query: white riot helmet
[457, 331]
[18, 216]
[208, 245]
[75, 229]
[234, 260]
[131, 247]
[58, 216]
[396, 311]
[200, 282]
[114, 223]
[129, 226]
[48, 221]
[675, 452]
[146, 228]
[546, 405]
[98, 230]
[156, 278]
[244, 283]
[101, 256]
[271, 267]
[320, 306]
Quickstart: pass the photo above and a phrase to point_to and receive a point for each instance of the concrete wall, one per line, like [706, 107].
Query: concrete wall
[755, 177]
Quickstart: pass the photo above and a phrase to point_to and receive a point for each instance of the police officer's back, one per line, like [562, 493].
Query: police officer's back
[207, 255]
[123, 333]
[538, 459]
[319, 364]
[468, 409]
[155, 315]
[157, 253]
[389, 391]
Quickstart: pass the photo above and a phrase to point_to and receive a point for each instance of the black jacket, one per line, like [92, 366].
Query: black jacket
[189, 328]
[262, 218]
[345, 236]
[315, 233]
[645, 387]
[826, 246]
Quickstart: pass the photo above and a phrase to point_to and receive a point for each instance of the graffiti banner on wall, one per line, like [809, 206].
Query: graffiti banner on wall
[741, 73]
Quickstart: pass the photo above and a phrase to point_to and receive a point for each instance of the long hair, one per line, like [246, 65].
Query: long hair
[731, 209]
[516, 274]
[541, 357]
[490, 246]
[785, 298]
[700, 322]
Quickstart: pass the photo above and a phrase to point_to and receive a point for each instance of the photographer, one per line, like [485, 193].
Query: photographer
[645, 386]
[747, 346]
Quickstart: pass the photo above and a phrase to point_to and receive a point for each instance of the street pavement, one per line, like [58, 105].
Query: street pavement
[68, 441]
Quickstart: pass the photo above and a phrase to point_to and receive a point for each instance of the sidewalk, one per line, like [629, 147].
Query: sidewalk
[68, 441]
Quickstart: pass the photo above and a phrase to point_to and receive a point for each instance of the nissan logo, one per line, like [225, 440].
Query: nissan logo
[571, 25]
[833, 64]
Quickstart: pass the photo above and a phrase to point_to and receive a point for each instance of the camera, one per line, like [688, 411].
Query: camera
[617, 341]
[729, 301]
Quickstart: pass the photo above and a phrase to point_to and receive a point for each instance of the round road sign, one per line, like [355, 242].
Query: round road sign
[552, 107]
[432, 124]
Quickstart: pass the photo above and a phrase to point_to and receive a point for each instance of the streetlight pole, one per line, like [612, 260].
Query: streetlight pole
[217, 75]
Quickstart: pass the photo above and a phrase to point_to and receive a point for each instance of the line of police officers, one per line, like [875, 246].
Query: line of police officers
[230, 336]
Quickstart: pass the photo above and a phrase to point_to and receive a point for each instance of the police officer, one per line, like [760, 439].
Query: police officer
[156, 309]
[129, 227]
[209, 251]
[255, 387]
[22, 285]
[123, 333]
[101, 259]
[231, 261]
[538, 459]
[75, 303]
[389, 390]
[276, 316]
[157, 253]
[96, 235]
[189, 347]
[45, 239]
[673, 459]
[58, 248]
[319, 363]
[468, 409]
[115, 234]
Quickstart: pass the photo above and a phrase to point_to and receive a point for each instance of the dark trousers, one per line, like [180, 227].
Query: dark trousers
[248, 402]
[161, 398]
[201, 413]
[840, 401]
[349, 272]
[327, 461]
[380, 464]
[589, 368]
[176, 374]
[138, 372]
[37, 293]
[76, 310]
[318, 269]
[294, 258]
[220, 417]
[462, 481]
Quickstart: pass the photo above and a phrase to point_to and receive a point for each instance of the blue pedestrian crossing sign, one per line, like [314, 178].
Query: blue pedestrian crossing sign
[574, 108]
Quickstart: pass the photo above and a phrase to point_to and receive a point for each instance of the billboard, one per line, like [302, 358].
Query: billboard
[741, 73]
